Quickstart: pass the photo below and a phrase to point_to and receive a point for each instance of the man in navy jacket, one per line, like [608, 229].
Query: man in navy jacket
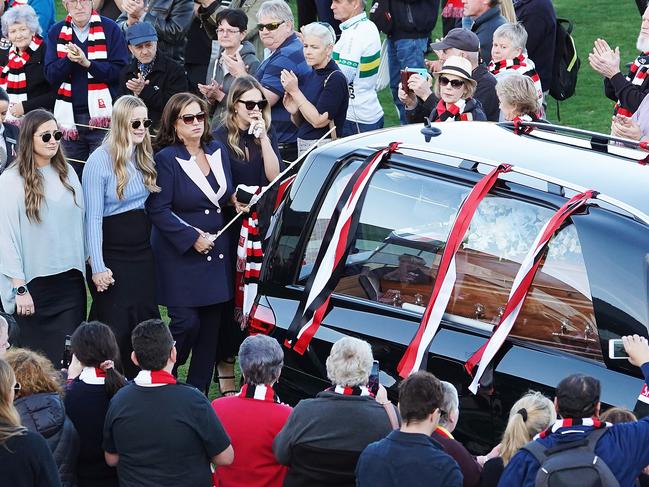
[623, 447]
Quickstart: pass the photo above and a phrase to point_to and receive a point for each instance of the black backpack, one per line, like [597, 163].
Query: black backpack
[566, 62]
[563, 463]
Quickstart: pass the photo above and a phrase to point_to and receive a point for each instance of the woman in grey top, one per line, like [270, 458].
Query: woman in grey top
[42, 254]
[232, 57]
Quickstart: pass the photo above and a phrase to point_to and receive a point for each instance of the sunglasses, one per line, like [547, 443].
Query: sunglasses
[47, 136]
[189, 119]
[270, 27]
[17, 387]
[146, 122]
[250, 104]
[455, 83]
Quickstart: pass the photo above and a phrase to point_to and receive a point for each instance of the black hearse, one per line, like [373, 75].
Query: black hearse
[592, 284]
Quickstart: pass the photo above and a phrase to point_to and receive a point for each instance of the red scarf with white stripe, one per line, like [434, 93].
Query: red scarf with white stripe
[453, 9]
[93, 376]
[452, 112]
[637, 76]
[520, 287]
[523, 129]
[523, 65]
[569, 422]
[350, 391]
[330, 262]
[248, 267]
[100, 103]
[260, 392]
[149, 377]
[13, 78]
[417, 352]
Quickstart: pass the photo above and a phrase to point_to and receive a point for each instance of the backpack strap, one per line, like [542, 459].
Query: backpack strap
[541, 453]
[594, 436]
[537, 450]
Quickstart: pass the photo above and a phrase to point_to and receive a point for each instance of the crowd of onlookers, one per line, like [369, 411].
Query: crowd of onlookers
[88, 426]
[130, 130]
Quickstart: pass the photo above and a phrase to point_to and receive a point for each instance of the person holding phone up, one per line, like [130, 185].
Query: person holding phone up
[251, 145]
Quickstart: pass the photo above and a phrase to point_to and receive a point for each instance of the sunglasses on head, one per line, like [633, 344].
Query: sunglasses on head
[455, 83]
[270, 26]
[251, 104]
[189, 118]
[47, 136]
[146, 122]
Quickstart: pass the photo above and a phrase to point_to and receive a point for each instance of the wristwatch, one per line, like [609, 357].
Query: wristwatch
[20, 290]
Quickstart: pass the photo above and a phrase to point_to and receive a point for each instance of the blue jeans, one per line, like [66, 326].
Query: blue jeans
[404, 53]
[353, 128]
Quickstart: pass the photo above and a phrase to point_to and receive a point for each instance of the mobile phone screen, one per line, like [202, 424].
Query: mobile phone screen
[373, 382]
[616, 349]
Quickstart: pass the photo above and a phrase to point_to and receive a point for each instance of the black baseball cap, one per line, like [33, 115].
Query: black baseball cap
[461, 39]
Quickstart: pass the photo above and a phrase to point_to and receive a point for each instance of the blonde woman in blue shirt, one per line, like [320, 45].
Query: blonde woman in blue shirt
[117, 179]
[42, 254]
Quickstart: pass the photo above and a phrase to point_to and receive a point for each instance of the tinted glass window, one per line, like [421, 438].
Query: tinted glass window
[404, 224]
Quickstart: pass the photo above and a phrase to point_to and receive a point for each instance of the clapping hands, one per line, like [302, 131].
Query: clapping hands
[604, 60]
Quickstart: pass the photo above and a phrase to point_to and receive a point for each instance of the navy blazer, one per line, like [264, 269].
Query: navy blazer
[186, 277]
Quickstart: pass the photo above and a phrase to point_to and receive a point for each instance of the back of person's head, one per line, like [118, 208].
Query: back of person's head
[260, 359]
[233, 16]
[350, 362]
[519, 92]
[9, 417]
[34, 372]
[578, 396]
[450, 406]
[530, 415]
[420, 394]
[94, 345]
[618, 415]
[152, 343]
[515, 33]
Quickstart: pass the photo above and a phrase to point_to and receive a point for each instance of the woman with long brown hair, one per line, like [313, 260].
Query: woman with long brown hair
[117, 179]
[42, 254]
[25, 458]
[251, 144]
[193, 268]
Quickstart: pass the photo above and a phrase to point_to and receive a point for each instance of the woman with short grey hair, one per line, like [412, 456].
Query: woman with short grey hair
[22, 76]
[320, 102]
[323, 437]
[254, 417]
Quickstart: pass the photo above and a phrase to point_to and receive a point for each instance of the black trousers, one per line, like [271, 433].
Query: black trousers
[313, 10]
[196, 331]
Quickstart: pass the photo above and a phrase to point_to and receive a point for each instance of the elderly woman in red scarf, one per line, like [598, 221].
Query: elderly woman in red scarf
[22, 76]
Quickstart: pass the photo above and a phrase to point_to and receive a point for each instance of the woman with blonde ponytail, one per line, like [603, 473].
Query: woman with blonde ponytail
[25, 458]
[117, 179]
[42, 253]
[530, 415]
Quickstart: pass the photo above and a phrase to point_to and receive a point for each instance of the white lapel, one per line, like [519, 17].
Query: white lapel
[214, 160]
[195, 174]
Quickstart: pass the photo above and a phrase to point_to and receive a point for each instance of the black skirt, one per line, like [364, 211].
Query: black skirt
[60, 306]
[127, 253]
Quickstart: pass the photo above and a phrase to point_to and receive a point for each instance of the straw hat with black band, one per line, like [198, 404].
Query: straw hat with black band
[460, 67]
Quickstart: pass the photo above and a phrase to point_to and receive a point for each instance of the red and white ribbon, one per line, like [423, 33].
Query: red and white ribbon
[445, 281]
[520, 287]
[93, 376]
[332, 255]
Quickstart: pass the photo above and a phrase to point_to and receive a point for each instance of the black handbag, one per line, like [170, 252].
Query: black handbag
[381, 16]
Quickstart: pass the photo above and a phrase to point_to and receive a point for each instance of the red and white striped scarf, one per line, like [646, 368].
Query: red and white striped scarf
[523, 65]
[93, 376]
[417, 352]
[149, 377]
[453, 9]
[453, 112]
[100, 103]
[350, 391]
[248, 267]
[637, 76]
[523, 129]
[260, 392]
[330, 261]
[569, 422]
[13, 78]
[520, 287]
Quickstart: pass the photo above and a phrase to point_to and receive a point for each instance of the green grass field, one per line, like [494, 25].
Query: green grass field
[616, 21]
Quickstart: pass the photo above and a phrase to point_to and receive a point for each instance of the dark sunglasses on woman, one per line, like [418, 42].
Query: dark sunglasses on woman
[189, 118]
[251, 104]
[47, 136]
[455, 83]
[146, 122]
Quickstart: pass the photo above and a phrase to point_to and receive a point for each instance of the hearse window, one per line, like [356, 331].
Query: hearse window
[404, 224]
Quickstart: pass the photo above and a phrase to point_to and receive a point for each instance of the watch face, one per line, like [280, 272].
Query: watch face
[21, 290]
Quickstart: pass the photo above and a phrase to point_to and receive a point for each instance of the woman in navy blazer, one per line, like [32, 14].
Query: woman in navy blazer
[194, 271]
